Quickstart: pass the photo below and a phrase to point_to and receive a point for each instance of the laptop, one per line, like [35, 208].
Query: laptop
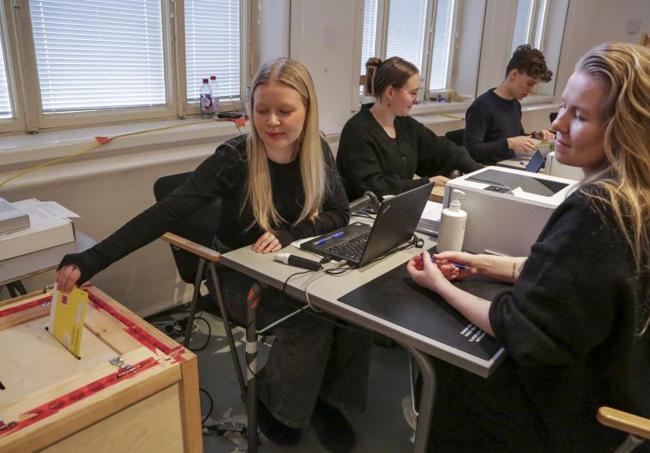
[535, 163]
[360, 244]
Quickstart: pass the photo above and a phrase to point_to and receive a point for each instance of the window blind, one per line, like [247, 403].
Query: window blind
[212, 36]
[406, 24]
[5, 102]
[523, 23]
[97, 54]
[369, 32]
[442, 40]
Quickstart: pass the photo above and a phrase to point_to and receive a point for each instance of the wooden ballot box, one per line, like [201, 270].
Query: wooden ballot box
[133, 389]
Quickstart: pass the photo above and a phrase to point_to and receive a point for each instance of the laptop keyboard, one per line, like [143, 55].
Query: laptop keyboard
[351, 250]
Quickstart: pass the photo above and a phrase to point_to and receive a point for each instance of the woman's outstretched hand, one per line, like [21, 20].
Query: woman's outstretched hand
[67, 278]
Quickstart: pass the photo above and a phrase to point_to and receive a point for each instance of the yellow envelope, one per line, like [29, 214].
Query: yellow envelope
[67, 314]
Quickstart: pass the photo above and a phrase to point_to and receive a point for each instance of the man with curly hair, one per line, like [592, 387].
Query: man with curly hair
[493, 129]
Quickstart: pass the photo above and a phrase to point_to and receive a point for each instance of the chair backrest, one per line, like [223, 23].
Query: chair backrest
[457, 136]
[552, 116]
[200, 227]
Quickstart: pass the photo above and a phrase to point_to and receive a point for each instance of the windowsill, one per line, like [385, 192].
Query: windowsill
[19, 151]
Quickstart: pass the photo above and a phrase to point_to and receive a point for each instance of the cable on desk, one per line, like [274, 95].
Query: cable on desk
[367, 213]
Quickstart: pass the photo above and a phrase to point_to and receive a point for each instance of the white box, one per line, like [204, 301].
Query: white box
[506, 208]
[53, 232]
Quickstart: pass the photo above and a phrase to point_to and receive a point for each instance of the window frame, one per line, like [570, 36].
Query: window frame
[381, 43]
[24, 88]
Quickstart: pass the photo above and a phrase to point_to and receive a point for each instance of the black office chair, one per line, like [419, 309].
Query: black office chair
[195, 260]
[552, 116]
[457, 136]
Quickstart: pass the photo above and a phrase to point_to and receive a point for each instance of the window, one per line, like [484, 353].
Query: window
[98, 54]
[529, 23]
[369, 32]
[442, 42]
[420, 31]
[5, 102]
[81, 62]
[212, 46]
[406, 26]
[540, 23]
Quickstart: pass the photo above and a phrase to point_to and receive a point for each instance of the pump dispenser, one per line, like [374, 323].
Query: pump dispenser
[452, 225]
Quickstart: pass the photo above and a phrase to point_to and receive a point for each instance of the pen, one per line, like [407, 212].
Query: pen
[336, 235]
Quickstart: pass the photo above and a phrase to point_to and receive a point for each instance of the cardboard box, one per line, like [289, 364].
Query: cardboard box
[37, 237]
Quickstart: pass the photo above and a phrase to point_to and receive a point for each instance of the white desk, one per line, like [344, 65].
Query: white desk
[324, 293]
[15, 269]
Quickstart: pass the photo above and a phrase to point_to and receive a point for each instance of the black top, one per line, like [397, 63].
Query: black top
[224, 174]
[489, 121]
[569, 327]
[369, 159]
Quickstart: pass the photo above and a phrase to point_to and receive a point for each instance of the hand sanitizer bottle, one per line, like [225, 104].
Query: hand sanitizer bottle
[452, 225]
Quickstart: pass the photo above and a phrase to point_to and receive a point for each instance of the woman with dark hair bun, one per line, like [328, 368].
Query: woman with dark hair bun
[382, 148]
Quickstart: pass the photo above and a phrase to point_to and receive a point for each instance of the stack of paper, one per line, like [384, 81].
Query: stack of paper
[50, 226]
[430, 220]
[12, 218]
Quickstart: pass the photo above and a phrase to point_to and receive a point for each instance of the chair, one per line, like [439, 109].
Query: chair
[457, 136]
[638, 428]
[552, 116]
[190, 243]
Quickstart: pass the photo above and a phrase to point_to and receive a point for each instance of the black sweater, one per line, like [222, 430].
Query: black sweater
[489, 122]
[224, 174]
[369, 159]
[569, 324]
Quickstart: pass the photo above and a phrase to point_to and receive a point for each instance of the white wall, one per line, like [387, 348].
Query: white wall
[106, 192]
[591, 22]
[272, 35]
[323, 37]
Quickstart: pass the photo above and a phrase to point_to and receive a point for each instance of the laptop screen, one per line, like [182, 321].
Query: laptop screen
[395, 224]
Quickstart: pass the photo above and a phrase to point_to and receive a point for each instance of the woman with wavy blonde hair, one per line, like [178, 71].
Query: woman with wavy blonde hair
[575, 322]
[277, 184]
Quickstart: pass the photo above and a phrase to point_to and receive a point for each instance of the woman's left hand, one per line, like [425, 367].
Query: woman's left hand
[548, 136]
[430, 276]
[267, 243]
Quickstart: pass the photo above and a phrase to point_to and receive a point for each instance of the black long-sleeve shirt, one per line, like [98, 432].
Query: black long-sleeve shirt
[225, 175]
[569, 328]
[489, 122]
[369, 159]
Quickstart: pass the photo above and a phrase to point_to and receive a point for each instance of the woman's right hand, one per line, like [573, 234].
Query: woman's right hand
[67, 278]
[446, 261]
[522, 144]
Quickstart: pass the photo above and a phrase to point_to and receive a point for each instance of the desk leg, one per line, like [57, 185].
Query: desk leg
[425, 363]
[16, 289]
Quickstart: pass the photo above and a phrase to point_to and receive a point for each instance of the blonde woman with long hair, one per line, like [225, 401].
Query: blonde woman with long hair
[575, 324]
[277, 184]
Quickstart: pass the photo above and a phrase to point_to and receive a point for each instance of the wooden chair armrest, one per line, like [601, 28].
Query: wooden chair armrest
[624, 421]
[192, 247]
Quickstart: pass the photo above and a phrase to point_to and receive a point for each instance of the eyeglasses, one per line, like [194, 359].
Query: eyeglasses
[413, 94]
